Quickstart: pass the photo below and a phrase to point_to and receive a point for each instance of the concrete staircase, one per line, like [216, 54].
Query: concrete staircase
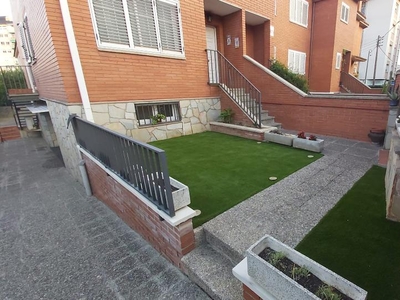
[210, 267]
[9, 133]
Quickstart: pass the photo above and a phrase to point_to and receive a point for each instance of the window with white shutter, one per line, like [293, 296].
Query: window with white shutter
[338, 60]
[26, 41]
[297, 62]
[344, 14]
[299, 12]
[140, 26]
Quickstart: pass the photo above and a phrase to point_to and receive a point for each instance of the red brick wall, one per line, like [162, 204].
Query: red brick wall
[341, 117]
[237, 132]
[248, 294]
[239, 117]
[48, 43]
[172, 242]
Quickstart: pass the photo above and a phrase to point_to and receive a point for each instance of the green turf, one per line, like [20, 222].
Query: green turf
[356, 241]
[223, 170]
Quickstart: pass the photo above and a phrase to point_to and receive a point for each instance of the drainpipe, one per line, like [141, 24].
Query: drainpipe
[311, 39]
[76, 61]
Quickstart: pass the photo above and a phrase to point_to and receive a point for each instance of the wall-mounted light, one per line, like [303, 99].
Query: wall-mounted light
[208, 17]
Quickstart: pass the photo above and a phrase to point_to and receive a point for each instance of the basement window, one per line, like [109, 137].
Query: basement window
[344, 14]
[153, 114]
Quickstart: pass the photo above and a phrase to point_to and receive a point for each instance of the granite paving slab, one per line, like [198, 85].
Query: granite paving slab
[57, 243]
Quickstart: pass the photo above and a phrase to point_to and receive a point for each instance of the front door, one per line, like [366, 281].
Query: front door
[211, 36]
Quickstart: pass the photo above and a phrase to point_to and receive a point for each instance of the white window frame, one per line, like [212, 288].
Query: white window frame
[131, 48]
[346, 16]
[296, 16]
[175, 108]
[338, 61]
[297, 68]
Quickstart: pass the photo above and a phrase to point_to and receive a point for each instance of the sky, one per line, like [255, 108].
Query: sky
[5, 9]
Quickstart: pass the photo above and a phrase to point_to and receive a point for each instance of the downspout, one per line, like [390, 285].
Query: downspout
[311, 39]
[76, 61]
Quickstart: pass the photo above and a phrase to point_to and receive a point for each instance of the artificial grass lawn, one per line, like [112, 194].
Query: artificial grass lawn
[223, 170]
[356, 241]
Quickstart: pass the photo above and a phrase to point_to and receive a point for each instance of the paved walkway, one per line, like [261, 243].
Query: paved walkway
[56, 243]
[289, 209]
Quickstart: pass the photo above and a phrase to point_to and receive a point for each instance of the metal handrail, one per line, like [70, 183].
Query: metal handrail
[235, 85]
[142, 166]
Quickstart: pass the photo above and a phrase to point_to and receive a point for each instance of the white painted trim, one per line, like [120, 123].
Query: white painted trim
[76, 61]
[240, 272]
[244, 128]
[181, 215]
[269, 72]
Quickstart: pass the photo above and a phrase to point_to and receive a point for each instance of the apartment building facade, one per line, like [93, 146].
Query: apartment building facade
[380, 41]
[7, 42]
[120, 63]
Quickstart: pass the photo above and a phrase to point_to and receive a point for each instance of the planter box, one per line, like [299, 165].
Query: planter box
[279, 139]
[306, 144]
[283, 287]
[180, 196]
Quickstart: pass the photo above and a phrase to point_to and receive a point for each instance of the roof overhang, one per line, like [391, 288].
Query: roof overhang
[219, 7]
[254, 19]
[355, 58]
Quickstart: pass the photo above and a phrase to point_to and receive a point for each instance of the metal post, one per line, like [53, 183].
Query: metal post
[376, 59]
[366, 69]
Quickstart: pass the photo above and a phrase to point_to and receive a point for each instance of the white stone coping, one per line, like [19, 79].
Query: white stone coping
[112, 102]
[280, 79]
[240, 272]
[181, 215]
[37, 109]
[244, 128]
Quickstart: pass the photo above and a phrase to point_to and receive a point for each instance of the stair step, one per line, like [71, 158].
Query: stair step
[213, 273]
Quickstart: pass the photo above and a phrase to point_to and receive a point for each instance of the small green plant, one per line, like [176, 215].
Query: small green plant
[300, 272]
[325, 292]
[157, 118]
[227, 115]
[299, 81]
[276, 257]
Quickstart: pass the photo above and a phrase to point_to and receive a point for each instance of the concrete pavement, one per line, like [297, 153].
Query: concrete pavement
[57, 243]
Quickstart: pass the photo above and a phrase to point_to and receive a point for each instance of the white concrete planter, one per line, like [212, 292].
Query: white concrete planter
[279, 138]
[306, 144]
[397, 127]
[181, 196]
[283, 287]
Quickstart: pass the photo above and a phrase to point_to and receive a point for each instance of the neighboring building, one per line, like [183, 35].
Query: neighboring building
[384, 17]
[119, 63]
[7, 42]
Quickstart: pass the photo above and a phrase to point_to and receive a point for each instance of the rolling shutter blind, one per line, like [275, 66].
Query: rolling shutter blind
[23, 41]
[168, 21]
[297, 62]
[141, 15]
[111, 23]
[293, 10]
[304, 10]
[31, 51]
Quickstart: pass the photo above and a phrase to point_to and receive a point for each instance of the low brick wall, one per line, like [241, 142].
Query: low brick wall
[172, 242]
[244, 132]
[342, 116]
[248, 294]
[239, 117]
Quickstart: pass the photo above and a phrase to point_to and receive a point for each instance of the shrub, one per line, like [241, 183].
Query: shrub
[297, 80]
[13, 78]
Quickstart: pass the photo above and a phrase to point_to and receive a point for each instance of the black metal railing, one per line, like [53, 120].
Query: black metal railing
[222, 72]
[142, 166]
[21, 112]
[17, 79]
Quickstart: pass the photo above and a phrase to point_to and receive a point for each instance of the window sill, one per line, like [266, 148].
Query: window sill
[158, 124]
[138, 52]
[343, 21]
[297, 23]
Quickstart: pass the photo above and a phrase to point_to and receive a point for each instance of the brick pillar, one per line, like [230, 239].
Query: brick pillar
[397, 80]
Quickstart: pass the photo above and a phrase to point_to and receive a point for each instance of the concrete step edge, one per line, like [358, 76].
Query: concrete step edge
[213, 273]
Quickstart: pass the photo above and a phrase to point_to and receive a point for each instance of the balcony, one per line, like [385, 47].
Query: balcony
[362, 20]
